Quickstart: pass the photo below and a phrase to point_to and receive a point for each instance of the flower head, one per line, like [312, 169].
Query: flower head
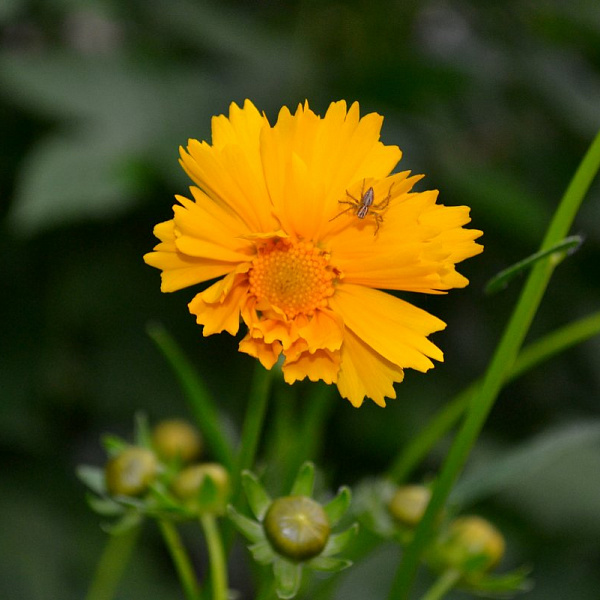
[293, 533]
[302, 225]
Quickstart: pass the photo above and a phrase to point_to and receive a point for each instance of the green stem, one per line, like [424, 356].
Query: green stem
[216, 554]
[199, 398]
[495, 376]
[445, 582]
[255, 416]
[531, 356]
[251, 431]
[112, 564]
[309, 431]
[180, 559]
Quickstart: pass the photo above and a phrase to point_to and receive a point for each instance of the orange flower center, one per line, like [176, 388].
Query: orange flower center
[293, 277]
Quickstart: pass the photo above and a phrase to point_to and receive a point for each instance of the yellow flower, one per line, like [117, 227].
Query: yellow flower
[302, 223]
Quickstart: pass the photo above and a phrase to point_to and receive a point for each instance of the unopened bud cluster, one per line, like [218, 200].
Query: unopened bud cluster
[132, 471]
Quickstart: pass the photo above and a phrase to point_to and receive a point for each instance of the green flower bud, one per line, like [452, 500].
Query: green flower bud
[297, 527]
[471, 544]
[408, 504]
[188, 484]
[131, 472]
[176, 438]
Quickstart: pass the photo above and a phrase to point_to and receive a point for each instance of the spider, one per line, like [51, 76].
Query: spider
[365, 205]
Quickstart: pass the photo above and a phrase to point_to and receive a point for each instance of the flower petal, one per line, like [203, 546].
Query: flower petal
[324, 329]
[392, 327]
[415, 249]
[320, 365]
[178, 269]
[230, 171]
[363, 372]
[222, 314]
[267, 354]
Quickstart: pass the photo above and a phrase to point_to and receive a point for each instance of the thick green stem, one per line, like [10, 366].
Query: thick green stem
[216, 555]
[112, 564]
[181, 560]
[496, 374]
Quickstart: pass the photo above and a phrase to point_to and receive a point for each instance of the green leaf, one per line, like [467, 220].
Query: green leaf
[114, 445]
[127, 522]
[142, 433]
[520, 463]
[339, 541]
[262, 552]
[258, 499]
[247, 527]
[371, 499]
[9, 9]
[329, 564]
[336, 508]
[504, 585]
[305, 480]
[118, 115]
[555, 253]
[93, 477]
[208, 494]
[104, 506]
[287, 578]
[69, 177]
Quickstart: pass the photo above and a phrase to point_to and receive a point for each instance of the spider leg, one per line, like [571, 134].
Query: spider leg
[378, 222]
[343, 212]
[356, 200]
[384, 203]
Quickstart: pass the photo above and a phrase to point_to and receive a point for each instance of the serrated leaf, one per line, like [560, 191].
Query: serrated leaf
[93, 477]
[305, 480]
[287, 578]
[247, 527]
[338, 541]
[336, 508]
[258, 499]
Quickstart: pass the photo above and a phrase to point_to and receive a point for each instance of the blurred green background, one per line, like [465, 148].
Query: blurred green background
[496, 102]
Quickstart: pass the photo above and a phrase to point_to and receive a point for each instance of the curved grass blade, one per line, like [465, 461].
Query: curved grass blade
[557, 252]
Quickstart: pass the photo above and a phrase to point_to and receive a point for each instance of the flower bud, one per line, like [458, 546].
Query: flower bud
[408, 504]
[131, 472]
[297, 527]
[189, 482]
[471, 544]
[176, 438]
